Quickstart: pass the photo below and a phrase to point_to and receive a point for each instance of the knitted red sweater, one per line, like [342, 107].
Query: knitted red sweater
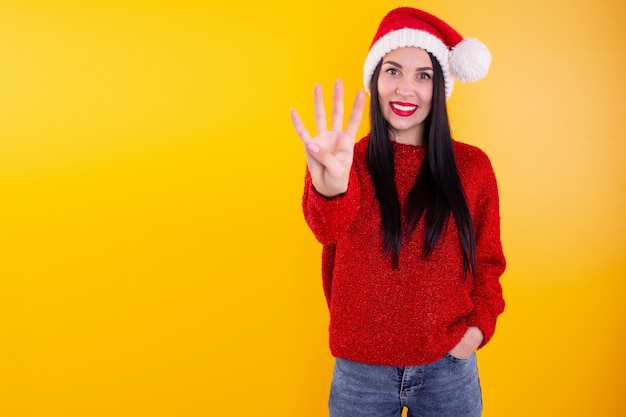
[418, 312]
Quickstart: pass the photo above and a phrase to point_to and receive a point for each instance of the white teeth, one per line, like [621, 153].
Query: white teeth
[404, 108]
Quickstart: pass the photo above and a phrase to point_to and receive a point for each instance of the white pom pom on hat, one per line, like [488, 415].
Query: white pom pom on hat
[464, 59]
[469, 60]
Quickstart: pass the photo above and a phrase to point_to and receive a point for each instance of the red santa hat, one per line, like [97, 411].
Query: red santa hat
[464, 59]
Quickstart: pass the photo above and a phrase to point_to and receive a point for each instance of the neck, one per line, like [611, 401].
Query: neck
[413, 137]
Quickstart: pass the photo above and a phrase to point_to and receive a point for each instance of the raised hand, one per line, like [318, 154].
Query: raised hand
[329, 154]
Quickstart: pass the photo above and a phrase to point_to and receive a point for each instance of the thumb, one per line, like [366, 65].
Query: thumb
[324, 157]
[313, 148]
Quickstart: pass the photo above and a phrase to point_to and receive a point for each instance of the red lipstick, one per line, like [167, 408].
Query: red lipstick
[403, 109]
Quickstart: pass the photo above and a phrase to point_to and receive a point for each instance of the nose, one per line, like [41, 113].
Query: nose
[405, 86]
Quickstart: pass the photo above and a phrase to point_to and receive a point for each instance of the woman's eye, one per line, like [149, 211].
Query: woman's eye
[424, 76]
[392, 71]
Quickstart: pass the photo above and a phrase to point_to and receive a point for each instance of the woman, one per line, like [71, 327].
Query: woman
[410, 227]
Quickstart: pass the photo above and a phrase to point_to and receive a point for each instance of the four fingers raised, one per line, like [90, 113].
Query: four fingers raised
[354, 120]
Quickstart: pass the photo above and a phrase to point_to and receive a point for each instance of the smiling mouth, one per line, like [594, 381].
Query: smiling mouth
[403, 109]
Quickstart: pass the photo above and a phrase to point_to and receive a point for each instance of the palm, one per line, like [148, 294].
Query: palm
[334, 170]
[329, 154]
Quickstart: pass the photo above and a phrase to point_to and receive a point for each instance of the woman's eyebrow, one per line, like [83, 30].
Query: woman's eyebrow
[395, 64]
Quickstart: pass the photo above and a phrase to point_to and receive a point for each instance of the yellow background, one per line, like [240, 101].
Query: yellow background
[153, 256]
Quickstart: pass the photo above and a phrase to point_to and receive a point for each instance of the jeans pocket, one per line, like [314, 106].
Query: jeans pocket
[457, 359]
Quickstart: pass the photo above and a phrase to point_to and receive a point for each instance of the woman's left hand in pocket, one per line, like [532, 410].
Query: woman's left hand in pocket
[470, 342]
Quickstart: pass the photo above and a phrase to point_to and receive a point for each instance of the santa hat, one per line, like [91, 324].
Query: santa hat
[464, 59]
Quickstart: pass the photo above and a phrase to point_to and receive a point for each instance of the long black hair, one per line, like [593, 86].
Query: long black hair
[437, 190]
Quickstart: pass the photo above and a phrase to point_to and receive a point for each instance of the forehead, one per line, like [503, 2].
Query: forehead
[409, 56]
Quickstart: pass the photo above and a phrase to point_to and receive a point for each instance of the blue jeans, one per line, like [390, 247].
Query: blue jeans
[448, 387]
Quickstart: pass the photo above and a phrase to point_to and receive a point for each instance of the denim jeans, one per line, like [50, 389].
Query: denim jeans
[448, 387]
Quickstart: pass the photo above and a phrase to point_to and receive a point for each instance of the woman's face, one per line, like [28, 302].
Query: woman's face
[405, 90]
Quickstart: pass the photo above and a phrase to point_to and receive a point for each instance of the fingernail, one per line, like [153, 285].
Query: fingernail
[313, 148]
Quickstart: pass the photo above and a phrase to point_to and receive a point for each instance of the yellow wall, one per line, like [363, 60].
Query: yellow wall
[153, 256]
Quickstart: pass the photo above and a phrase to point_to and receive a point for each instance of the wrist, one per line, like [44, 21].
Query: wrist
[475, 335]
[330, 193]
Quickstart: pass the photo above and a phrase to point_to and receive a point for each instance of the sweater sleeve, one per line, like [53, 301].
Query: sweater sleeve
[329, 218]
[490, 261]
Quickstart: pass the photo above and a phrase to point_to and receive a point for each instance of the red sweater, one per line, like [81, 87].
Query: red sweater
[418, 312]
